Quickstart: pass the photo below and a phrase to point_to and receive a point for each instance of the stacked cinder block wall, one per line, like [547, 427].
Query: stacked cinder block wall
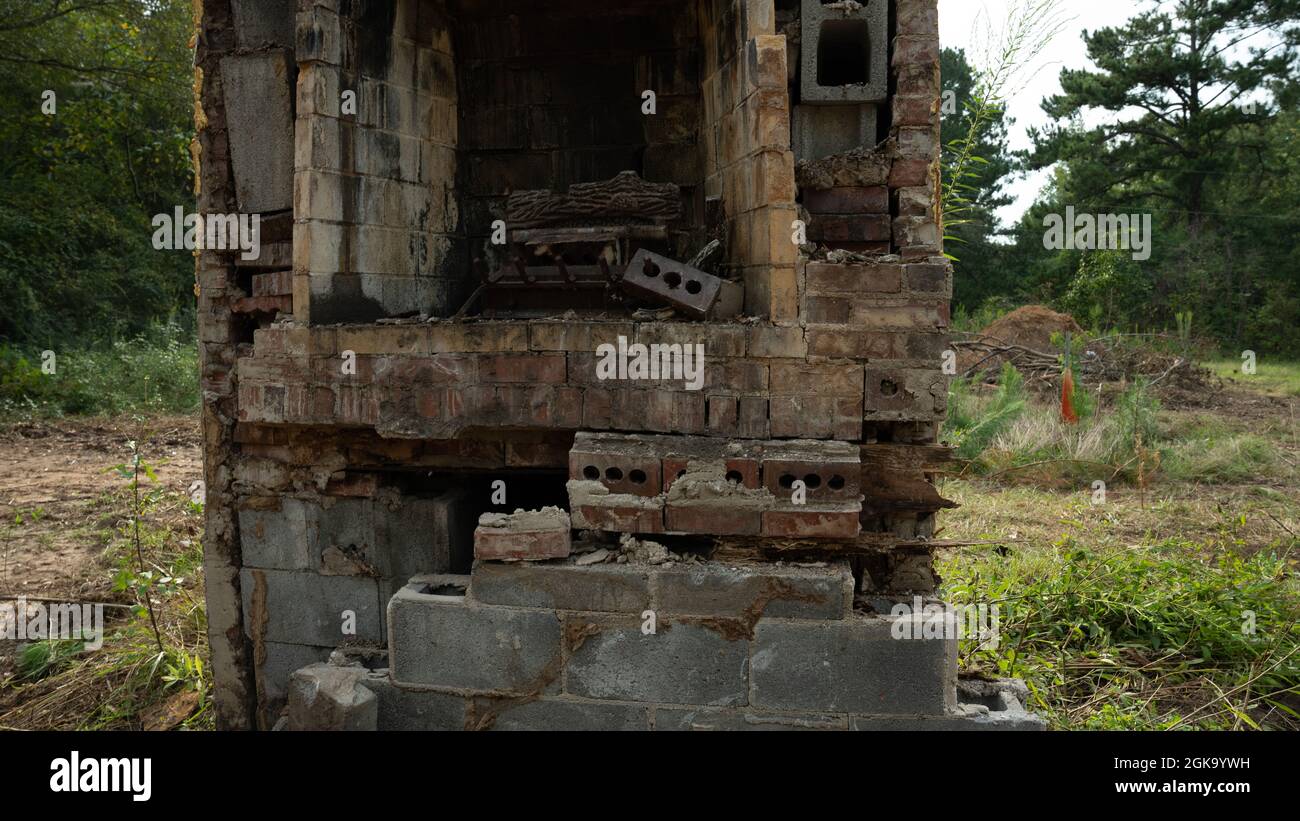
[355, 426]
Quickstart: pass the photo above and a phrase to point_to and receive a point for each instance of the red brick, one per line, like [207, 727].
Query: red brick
[914, 110]
[278, 283]
[673, 467]
[909, 172]
[852, 344]
[811, 524]
[618, 472]
[907, 316]
[722, 412]
[568, 407]
[829, 310]
[848, 200]
[506, 544]
[717, 519]
[816, 379]
[929, 277]
[597, 405]
[829, 277]
[919, 17]
[505, 367]
[913, 50]
[752, 421]
[816, 417]
[623, 519]
[842, 228]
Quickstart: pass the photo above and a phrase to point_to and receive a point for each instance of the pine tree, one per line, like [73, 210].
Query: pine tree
[1181, 81]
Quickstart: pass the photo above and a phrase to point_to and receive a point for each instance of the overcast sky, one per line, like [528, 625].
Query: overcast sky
[958, 26]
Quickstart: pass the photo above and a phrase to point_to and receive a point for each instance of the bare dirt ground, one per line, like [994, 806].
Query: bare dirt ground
[57, 485]
[61, 502]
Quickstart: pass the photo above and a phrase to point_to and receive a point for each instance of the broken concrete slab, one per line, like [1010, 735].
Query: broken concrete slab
[323, 697]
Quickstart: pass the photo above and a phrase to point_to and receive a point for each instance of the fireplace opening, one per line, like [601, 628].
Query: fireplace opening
[513, 159]
[579, 137]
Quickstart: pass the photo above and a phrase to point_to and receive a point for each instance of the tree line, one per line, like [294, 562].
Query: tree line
[1188, 113]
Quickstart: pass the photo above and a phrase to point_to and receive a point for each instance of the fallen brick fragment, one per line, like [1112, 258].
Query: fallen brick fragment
[525, 535]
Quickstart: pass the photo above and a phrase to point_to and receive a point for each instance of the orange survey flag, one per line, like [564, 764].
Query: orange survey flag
[1067, 398]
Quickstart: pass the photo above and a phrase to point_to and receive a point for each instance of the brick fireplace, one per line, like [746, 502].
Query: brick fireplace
[431, 506]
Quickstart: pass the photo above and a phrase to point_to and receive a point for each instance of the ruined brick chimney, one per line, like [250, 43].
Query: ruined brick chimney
[589, 371]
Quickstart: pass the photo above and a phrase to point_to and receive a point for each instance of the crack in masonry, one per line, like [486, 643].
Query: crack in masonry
[258, 620]
[482, 712]
[741, 628]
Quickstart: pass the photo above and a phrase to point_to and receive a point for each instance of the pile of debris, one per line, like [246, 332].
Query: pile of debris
[1032, 339]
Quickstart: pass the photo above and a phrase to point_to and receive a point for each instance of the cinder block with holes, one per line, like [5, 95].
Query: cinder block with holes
[905, 394]
[830, 471]
[664, 281]
[740, 460]
[623, 464]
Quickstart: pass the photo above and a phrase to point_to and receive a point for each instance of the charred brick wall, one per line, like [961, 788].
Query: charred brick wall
[553, 95]
[378, 229]
[326, 429]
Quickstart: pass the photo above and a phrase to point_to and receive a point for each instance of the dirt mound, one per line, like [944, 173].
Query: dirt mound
[1028, 329]
[1032, 327]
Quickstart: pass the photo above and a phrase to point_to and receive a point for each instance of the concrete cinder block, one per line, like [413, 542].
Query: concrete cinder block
[854, 665]
[307, 608]
[682, 662]
[278, 662]
[739, 720]
[449, 641]
[844, 52]
[607, 588]
[412, 709]
[259, 115]
[823, 130]
[323, 697]
[565, 714]
[748, 592]
[260, 23]
[392, 538]
[273, 534]
[424, 535]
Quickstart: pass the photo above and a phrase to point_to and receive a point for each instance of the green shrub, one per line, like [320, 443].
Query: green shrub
[156, 372]
[972, 430]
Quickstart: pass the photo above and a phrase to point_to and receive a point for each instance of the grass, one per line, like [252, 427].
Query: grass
[1179, 612]
[139, 678]
[1272, 378]
[153, 373]
[1154, 636]
[1006, 436]
[1168, 601]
